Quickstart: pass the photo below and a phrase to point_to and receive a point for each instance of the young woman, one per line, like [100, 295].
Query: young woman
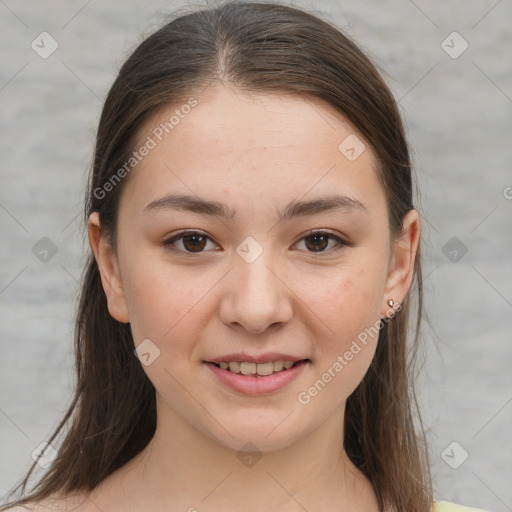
[243, 336]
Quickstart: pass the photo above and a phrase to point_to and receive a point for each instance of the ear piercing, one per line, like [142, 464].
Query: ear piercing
[391, 303]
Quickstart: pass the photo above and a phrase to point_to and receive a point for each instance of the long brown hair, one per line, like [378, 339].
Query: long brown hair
[257, 47]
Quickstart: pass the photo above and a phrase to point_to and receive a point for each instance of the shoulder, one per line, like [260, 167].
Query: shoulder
[28, 507]
[53, 503]
[446, 506]
[20, 508]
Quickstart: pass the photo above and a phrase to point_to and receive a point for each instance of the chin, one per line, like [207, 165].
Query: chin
[266, 433]
[258, 441]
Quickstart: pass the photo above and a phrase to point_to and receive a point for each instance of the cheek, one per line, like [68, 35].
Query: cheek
[345, 300]
[345, 337]
[164, 300]
[345, 325]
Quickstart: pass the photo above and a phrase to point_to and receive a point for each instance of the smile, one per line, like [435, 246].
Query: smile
[257, 378]
[261, 369]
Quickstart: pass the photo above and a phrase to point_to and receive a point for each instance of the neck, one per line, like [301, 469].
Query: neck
[183, 469]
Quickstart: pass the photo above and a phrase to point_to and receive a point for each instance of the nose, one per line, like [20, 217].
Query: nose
[255, 296]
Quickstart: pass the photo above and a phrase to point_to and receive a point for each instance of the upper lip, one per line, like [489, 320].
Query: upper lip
[242, 357]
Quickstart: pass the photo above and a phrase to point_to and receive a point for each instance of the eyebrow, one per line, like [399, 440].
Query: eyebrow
[295, 208]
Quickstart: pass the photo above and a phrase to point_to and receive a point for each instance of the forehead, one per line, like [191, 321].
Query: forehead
[251, 146]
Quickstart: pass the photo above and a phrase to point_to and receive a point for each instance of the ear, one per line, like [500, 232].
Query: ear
[401, 269]
[109, 270]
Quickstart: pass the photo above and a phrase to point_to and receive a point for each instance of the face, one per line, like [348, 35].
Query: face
[271, 280]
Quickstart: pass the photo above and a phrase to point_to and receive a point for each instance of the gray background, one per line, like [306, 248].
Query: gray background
[458, 115]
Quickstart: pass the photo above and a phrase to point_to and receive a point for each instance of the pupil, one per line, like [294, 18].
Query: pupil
[316, 237]
[195, 244]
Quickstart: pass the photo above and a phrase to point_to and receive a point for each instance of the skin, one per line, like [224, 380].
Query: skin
[256, 153]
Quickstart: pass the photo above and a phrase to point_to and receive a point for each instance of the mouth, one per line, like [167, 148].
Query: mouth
[251, 369]
[261, 378]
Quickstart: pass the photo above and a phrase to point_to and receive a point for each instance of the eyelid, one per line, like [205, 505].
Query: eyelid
[341, 240]
[167, 243]
[334, 235]
[325, 231]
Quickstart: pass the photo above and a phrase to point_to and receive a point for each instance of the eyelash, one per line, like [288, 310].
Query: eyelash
[168, 243]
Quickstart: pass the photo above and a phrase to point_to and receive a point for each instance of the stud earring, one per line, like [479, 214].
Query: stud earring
[391, 303]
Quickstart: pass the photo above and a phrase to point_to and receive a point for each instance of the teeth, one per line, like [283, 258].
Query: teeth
[248, 368]
[278, 365]
[262, 369]
[265, 368]
[234, 367]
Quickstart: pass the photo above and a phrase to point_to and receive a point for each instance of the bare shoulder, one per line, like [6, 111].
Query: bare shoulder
[54, 503]
[23, 508]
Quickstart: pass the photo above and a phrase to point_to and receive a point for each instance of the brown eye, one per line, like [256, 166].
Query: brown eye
[192, 242]
[318, 241]
[195, 242]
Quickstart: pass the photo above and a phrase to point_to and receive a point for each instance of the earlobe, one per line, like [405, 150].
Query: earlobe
[401, 271]
[108, 266]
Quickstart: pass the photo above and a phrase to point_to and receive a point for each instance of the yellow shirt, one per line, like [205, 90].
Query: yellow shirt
[445, 506]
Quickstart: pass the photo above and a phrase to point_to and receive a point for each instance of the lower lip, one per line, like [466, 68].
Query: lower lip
[257, 384]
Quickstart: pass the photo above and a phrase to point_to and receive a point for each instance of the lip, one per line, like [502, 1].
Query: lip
[243, 357]
[257, 384]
